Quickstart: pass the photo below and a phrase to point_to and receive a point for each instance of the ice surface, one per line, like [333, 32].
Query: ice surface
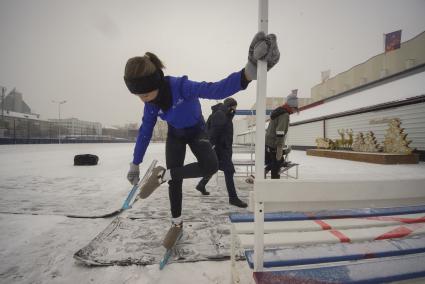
[40, 185]
[41, 180]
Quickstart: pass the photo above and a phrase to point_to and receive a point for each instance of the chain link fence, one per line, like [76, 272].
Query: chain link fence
[17, 130]
[23, 130]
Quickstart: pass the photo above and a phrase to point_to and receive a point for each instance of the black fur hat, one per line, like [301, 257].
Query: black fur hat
[229, 102]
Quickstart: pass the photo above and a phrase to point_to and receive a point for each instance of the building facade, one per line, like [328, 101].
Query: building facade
[14, 102]
[364, 98]
[16, 125]
[410, 54]
[76, 127]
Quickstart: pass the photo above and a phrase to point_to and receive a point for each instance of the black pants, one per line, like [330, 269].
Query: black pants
[272, 164]
[230, 184]
[175, 152]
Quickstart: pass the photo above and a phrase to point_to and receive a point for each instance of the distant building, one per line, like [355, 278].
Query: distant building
[128, 132]
[160, 131]
[14, 102]
[273, 102]
[364, 98]
[18, 122]
[18, 125]
[76, 127]
[410, 55]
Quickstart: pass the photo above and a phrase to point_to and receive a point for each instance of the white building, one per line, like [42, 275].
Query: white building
[369, 102]
[76, 127]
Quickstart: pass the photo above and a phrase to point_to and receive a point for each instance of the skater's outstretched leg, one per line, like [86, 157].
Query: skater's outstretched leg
[207, 164]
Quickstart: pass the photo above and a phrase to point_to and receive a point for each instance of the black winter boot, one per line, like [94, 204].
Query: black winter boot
[201, 189]
[237, 202]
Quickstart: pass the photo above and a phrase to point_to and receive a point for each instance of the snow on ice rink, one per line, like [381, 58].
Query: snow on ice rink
[39, 186]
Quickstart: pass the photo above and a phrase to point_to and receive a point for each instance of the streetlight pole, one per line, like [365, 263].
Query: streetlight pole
[3, 93]
[59, 112]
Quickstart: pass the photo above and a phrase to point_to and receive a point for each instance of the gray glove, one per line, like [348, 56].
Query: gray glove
[279, 153]
[133, 174]
[273, 55]
[262, 48]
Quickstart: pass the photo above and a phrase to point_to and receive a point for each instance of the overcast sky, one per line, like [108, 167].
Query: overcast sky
[76, 50]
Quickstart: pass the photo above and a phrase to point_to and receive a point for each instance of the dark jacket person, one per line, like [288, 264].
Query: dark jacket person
[220, 133]
[276, 134]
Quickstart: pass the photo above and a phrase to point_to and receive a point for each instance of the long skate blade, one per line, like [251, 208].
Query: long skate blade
[132, 196]
[169, 252]
[165, 259]
[129, 201]
[284, 169]
[106, 215]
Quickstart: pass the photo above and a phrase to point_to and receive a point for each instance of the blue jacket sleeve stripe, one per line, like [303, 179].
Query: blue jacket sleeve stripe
[150, 116]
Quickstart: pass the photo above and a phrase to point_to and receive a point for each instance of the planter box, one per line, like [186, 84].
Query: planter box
[376, 158]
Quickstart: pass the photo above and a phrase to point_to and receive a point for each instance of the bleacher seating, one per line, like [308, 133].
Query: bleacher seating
[369, 231]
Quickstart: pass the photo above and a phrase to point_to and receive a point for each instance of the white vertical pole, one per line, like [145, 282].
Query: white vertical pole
[59, 111]
[261, 97]
[260, 141]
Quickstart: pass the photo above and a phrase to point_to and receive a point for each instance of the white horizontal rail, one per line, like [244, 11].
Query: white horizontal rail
[343, 193]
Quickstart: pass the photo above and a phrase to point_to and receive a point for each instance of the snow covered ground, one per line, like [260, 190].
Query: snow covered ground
[39, 185]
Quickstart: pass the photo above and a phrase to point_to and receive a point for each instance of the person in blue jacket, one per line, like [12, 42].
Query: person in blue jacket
[176, 100]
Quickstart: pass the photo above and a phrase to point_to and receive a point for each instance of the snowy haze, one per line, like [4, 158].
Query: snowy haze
[76, 50]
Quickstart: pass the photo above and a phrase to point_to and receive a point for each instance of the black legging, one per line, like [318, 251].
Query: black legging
[175, 152]
[272, 164]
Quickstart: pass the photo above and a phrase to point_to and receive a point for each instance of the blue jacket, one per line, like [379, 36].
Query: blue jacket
[186, 108]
